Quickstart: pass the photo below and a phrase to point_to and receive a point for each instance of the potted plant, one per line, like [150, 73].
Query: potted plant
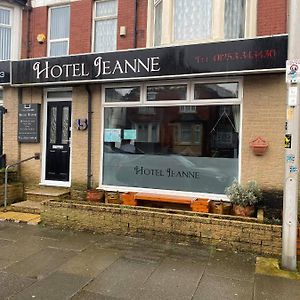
[244, 197]
[95, 195]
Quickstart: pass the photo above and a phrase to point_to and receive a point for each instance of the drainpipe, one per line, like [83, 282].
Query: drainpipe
[135, 24]
[89, 150]
[28, 9]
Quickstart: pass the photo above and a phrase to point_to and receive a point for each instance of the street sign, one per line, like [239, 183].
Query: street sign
[292, 74]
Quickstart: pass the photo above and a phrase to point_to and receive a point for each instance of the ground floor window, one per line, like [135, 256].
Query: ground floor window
[183, 137]
[192, 148]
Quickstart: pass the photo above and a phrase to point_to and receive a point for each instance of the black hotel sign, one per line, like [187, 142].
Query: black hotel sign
[249, 55]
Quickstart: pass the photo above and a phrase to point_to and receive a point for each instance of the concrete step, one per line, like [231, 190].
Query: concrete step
[39, 194]
[33, 207]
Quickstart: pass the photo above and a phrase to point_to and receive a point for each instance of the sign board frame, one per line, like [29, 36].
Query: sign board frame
[29, 123]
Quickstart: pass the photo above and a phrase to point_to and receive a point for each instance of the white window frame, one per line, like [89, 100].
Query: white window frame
[188, 102]
[96, 19]
[217, 33]
[49, 28]
[16, 29]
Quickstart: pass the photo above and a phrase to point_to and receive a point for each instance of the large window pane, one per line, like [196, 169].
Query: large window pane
[60, 23]
[166, 92]
[59, 30]
[5, 34]
[106, 35]
[5, 43]
[126, 94]
[234, 19]
[192, 19]
[168, 150]
[158, 23]
[216, 90]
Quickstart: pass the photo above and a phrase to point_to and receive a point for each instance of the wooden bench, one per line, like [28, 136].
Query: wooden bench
[196, 204]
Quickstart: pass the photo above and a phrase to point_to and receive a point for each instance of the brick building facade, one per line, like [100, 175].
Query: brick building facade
[188, 121]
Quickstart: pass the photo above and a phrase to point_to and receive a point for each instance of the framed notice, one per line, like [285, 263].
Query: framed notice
[29, 123]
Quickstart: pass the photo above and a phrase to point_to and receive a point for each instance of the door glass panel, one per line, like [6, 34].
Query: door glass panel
[53, 124]
[65, 126]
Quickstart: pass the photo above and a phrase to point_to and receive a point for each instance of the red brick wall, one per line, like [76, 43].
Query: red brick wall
[142, 23]
[38, 24]
[271, 17]
[81, 26]
[126, 11]
[25, 36]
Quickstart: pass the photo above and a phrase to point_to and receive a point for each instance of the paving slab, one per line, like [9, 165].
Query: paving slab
[173, 279]
[85, 295]
[6, 243]
[235, 265]
[90, 262]
[52, 233]
[123, 278]
[21, 249]
[40, 264]
[57, 286]
[214, 287]
[275, 288]
[11, 284]
[200, 253]
[16, 231]
[4, 263]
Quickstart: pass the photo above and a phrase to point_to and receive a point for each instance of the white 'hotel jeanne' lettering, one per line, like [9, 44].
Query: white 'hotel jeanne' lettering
[105, 67]
[56, 71]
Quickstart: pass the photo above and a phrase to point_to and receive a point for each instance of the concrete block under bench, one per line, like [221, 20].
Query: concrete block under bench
[196, 204]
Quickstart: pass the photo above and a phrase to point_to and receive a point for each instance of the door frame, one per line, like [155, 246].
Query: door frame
[44, 146]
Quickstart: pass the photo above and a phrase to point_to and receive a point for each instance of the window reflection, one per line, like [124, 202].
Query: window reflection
[193, 149]
[127, 94]
[166, 92]
[216, 90]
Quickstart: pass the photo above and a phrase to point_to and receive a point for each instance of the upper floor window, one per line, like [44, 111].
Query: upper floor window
[177, 21]
[105, 25]
[59, 31]
[5, 33]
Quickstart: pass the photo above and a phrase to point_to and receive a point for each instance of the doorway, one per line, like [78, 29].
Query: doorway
[58, 140]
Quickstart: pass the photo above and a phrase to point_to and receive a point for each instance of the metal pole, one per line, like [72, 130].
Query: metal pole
[290, 202]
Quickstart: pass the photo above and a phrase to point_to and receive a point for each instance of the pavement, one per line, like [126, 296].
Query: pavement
[38, 262]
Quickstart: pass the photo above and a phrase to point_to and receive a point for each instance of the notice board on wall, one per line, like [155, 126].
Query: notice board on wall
[29, 123]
